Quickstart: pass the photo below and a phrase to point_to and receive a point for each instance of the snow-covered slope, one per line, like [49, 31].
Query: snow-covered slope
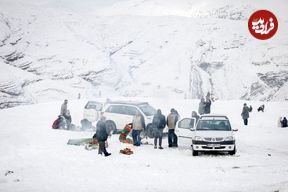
[52, 50]
[36, 158]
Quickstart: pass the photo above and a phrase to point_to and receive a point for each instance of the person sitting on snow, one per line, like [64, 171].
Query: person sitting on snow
[59, 123]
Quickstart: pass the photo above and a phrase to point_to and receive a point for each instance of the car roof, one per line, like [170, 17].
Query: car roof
[127, 102]
[213, 117]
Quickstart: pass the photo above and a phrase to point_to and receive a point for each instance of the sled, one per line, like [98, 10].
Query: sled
[82, 141]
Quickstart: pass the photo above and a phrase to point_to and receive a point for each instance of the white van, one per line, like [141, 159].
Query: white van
[210, 133]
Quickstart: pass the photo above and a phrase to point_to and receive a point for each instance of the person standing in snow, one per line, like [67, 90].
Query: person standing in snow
[195, 115]
[283, 122]
[63, 110]
[207, 104]
[138, 125]
[101, 135]
[159, 124]
[245, 113]
[172, 119]
[201, 108]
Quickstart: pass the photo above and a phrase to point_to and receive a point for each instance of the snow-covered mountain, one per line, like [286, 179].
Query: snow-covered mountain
[52, 49]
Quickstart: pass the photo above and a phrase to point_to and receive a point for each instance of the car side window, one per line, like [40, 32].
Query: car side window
[186, 123]
[130, 110]
[114, 109]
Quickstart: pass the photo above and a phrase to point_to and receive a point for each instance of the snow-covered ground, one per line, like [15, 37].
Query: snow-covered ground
[39, 159]
[51, 50]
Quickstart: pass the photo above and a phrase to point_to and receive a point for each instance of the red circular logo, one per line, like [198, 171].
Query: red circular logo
[263, 24]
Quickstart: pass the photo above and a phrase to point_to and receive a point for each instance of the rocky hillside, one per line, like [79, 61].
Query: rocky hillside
[51, 50]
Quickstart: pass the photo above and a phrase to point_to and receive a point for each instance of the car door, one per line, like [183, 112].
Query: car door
[185, 126]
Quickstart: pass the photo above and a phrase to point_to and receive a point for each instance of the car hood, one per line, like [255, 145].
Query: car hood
[214, 133]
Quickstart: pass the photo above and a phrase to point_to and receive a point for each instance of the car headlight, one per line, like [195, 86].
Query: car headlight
[230, 138]
[197, 138]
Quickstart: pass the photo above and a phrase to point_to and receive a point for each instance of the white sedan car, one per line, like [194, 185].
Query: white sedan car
[210, 133]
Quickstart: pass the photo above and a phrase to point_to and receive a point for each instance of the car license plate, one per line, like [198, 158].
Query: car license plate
[213, 145]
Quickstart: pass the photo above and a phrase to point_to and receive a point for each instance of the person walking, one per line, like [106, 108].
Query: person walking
[138, 125]
[101, 135]
[172, 119]
[245, 113]
[159, 124]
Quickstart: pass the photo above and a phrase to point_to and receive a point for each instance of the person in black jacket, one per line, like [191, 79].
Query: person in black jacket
[283, 122]
[101, 135]
[159, 124]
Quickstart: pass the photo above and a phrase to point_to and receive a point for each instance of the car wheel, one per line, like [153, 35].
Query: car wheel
[194, 153]
[111, 126]
[232, 152]
[85, 124]
[149, 130]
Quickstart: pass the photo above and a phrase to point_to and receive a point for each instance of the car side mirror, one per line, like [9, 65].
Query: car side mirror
[235, 129]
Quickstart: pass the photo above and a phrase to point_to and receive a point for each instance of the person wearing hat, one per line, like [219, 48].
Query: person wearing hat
[172, 119]
[245, 113]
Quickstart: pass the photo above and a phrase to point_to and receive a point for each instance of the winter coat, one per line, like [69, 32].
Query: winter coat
[284, 122]
[101, 132]
[172, 119]
[138, 122]
[245, 112]
[201, 108]
[207, 107]
[159, 124]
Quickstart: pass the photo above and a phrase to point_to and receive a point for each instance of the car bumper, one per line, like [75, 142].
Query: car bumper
[213, 146]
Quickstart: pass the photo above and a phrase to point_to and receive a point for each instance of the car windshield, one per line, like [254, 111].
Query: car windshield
[213, 125]
[147, 110]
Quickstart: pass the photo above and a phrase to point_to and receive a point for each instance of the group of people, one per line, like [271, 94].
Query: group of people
[138, 125]
[205, 105]
[159, 122]
[64, 120]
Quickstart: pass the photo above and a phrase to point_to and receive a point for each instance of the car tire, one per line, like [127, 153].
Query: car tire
[232, 152]
[111, 126]
[194, 153]
[85, 124]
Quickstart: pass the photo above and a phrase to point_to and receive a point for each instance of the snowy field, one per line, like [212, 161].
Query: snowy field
[39, 159]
